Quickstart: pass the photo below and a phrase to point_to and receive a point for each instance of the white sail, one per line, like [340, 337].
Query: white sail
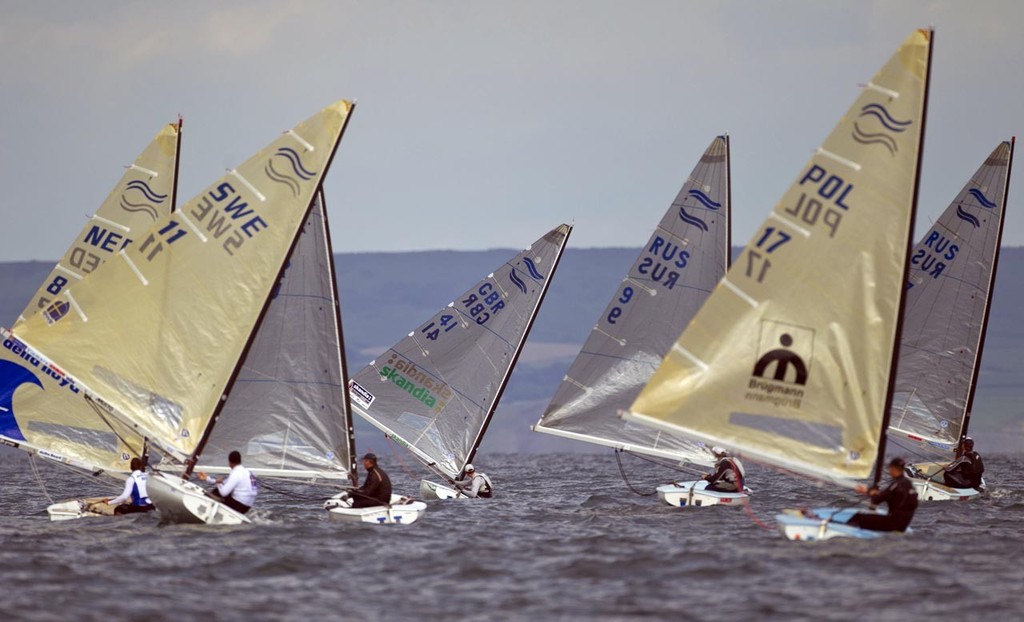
[675, 272]
[952, 270]
[434, 392]
[159, 332]
[145, 194]
[789, 360]
[287, 411]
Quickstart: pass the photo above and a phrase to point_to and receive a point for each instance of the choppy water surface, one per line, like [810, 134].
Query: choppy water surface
[564, 539]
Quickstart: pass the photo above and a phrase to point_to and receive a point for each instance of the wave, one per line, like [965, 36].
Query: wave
[274, 175]
[692, 220]
[984, 200]
[865, 138]
[144, 188]
[532, 268]
[705, 199]
[517, 280]
[146, 208]
[296, 161]
[963, 214]
[879, 111]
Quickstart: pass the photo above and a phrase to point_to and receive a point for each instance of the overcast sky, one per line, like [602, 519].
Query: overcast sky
[482, 124]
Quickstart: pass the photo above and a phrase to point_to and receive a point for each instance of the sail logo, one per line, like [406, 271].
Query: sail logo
[12, 376]
[880, 127]
[705, 201]
[135, 196]
[530, 267]
[407, 376]
[517, 280]
[967, 217]
[982, 200]
[290, 171]
[360, 395]
[226, 214]
[56, 311]
[783, 364]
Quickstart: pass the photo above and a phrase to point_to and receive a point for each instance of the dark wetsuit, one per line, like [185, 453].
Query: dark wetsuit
[901, 498]
[376, 490]
[728, 476]
[965, 472]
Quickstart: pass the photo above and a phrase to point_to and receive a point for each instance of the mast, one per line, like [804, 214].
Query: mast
[971, 389]
[519, 348]
[728, 198]
[894, 361]
[190, 463]
[350, 430]
[177, 159]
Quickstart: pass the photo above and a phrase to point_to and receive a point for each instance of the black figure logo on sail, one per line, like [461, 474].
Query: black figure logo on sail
[135, 196]
[782, 366]
[289, 158]
[876, 126]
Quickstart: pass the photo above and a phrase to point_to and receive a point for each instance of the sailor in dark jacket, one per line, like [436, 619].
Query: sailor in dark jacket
[899, 495]
[966, 471]
[728, 475]
[376, 488]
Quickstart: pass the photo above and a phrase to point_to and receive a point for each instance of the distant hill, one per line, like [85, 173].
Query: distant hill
[385, 295]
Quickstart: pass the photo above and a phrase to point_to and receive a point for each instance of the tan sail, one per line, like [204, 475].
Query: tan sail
[144, 195]
[158, 331]
[789, 360]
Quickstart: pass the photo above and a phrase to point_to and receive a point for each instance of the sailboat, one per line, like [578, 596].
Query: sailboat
[40, 408]
[435, 391]
[685, 257]
[949, 294]
[791, 360]
[155, 339]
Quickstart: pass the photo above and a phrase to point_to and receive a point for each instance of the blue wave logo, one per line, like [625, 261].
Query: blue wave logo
[704, 199]
[532, 269]
[517, 280]
[692, 220]
[12, 376]
[291, 178]
[963, 214]
[138, 196]
[885, 135]
[985, 202]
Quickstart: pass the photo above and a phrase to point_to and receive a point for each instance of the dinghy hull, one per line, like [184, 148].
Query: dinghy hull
[824, 524]
[80, 508]
[928, 490]
[402, 511]
[432, 491]
[179, 501]
[693, 494]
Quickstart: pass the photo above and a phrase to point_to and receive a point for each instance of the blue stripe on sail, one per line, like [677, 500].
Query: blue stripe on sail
[705, 199]
[692, 220]
[532, 268]
[517, 280]
[981, 198]
[966, 216]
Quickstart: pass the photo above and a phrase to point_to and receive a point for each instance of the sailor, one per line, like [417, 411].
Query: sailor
[376, 488]
[967, 469]
[899, 495]
[238, 491]
[475, 484]
[135, 498]
[728, 475]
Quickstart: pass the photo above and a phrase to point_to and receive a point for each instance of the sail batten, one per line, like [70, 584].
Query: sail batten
[436, 390]
[676, 270]
[790, 360]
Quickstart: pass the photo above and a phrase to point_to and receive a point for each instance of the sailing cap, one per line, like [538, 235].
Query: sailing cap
[898, 462]
[371, 458]
[469, 468]
[968, 442]
[718, 451]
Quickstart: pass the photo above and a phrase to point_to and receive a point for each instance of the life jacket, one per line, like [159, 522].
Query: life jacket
[975, 470]
[140, 496]
[487, 490]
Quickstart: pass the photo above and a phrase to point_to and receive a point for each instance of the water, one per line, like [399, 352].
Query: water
[564, 539]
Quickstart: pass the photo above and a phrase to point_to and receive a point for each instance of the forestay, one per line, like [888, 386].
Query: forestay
[675, 272]
[287, 411]
[788, 362]
[435, 391]
[159, 331]
[951, 276]
[145, 194]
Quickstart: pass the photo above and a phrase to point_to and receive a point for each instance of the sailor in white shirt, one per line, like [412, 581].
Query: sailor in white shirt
[238, 490]
[134, 494]
[476, 485]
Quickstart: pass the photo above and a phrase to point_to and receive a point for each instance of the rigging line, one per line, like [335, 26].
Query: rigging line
[675, 467]
[625, 479]
[39, 478]
[398, 458]
[915, 452]
[753, 517]
[99, 413]
[261, 482]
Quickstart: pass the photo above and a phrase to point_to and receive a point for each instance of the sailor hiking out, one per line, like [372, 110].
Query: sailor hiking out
[475, 484]
[729, 474]
[238, 490]
[134, 498]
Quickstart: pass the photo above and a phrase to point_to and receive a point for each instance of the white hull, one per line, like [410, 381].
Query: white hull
[402, 511]
[179, 501]
[933, 491]
[431, 491]
[693, 494]
[825, 524]
[80, 508]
